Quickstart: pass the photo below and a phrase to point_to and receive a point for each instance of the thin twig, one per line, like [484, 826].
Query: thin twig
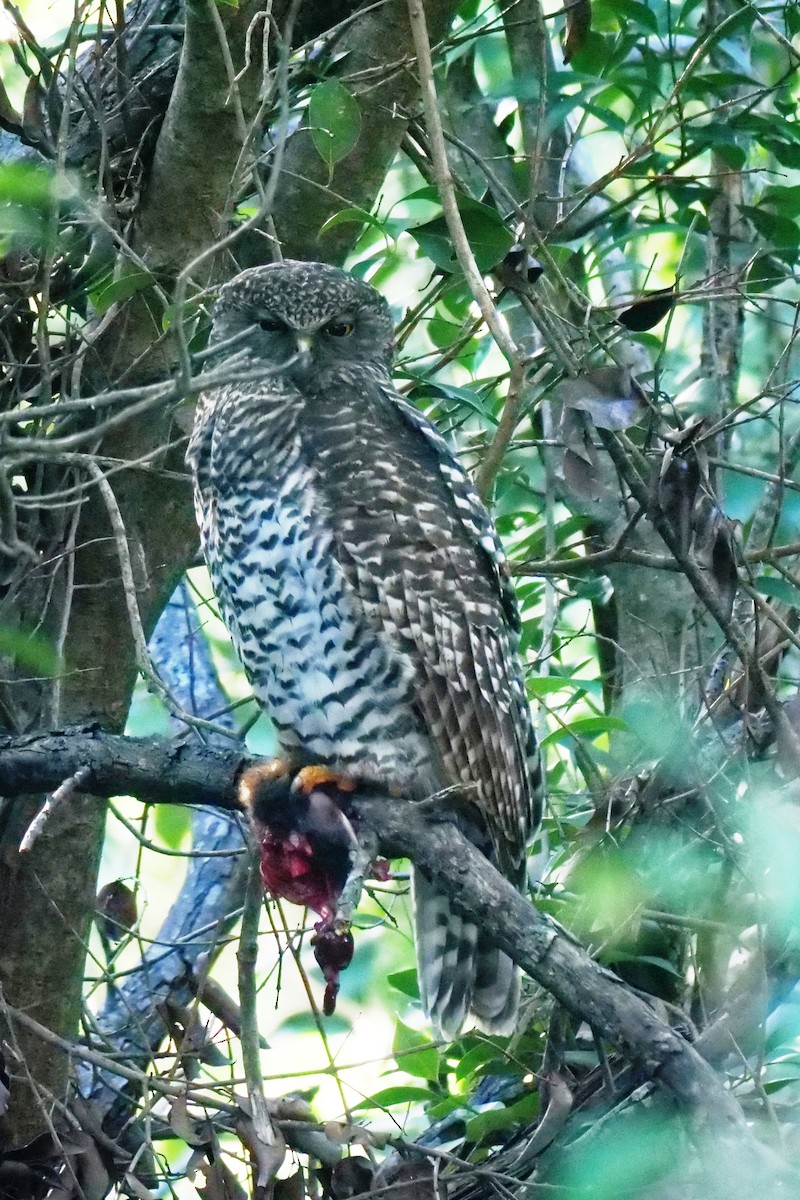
[57, 798]
[247, 955]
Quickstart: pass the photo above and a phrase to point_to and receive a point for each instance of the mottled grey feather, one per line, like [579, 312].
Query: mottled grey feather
[366, 590]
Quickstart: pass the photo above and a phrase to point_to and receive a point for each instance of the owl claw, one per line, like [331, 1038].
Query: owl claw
[261, 778]
[308, 779]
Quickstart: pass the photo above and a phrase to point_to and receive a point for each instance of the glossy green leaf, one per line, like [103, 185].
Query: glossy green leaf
[173, 824]
[500, 1120]
[765, 272]
[414, 1053]
[476, 1057]
[585, 727]
[334, 119]
[27, 183]
[779, 588]
[405, 982]
[395, 1095]
[487, 233]
[112, 290]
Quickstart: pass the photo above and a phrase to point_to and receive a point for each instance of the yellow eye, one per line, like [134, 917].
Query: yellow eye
[339, 328]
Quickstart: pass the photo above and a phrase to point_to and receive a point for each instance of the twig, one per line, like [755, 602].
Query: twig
[62, 793]
[247, 954]
[463, 250]
[143, 659]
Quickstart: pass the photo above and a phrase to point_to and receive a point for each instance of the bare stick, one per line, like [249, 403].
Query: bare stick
[62, 793]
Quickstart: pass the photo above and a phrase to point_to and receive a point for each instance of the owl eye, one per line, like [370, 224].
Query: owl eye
[339, 328]
[270, 325]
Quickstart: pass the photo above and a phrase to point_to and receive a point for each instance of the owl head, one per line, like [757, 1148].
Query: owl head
[306, 315]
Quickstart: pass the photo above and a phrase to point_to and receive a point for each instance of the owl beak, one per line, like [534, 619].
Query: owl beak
[303, 341]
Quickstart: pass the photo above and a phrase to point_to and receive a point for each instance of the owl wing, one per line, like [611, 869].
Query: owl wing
[419, 548]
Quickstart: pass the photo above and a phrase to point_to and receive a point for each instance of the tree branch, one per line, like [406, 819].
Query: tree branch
[153, 770]
[159, 770]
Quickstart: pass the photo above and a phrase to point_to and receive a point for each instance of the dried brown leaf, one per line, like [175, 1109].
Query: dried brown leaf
[678, 481]
[688, 433]
[292, 1188]
[646, 312]
[579, 24]
[268, 1157]
[34, 108]
[351, 1177]
[193, 1132]
[610, 395]
[581, 468]
[220, 1183]
[9, 117]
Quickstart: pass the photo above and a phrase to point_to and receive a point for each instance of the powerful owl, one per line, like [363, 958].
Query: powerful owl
[366, 591]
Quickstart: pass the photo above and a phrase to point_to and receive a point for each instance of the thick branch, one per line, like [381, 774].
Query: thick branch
[151, 769]
[157, 770]
[376, 53]
[546, 952]
[203, 133]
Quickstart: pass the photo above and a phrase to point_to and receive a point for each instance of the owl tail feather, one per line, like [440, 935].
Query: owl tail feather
[463, 977]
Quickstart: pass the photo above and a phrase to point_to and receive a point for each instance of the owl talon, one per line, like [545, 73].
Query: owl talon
[308, 779]
[262, 778]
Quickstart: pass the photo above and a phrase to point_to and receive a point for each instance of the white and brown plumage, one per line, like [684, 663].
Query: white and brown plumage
[365, 588]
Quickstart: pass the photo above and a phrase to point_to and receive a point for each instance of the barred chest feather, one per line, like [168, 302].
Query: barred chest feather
[330, 681]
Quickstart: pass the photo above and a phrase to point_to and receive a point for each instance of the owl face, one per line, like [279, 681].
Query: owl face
[303, 318]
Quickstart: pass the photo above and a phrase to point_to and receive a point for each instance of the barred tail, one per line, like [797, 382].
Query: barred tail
[461, 974]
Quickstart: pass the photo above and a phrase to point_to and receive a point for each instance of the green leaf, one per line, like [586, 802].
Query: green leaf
[493, 1120]
[395, 1095]
[30, 651]
[28, 184]
[353, 216]
[779, 231]
[335, 121]
[404, 982]
[428, 388]
[785, 200]
[543, 685]
[108, 290]
[779, 589]
[610, 14]
[787, 153]
[443, 1108]
[478, 1056]
[585, 727]
[487, 234]
[414, 1053]
[29, 195]
[499, 1120]
[639, 14]
[173, 824]
[778, 1074]
[765, 272]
